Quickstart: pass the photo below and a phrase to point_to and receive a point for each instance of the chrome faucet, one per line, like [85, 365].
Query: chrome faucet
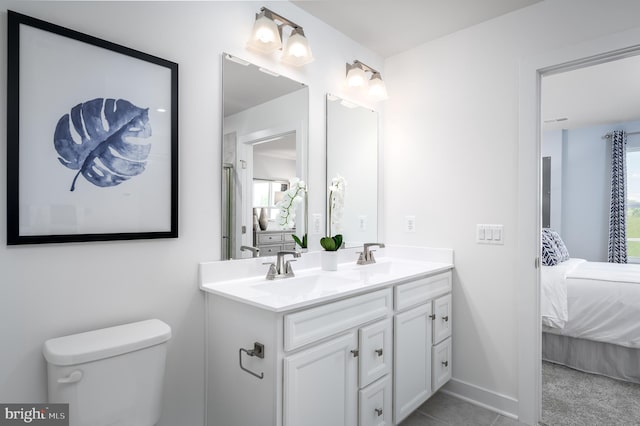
[366, 256]
[282, 269]
[255, 251]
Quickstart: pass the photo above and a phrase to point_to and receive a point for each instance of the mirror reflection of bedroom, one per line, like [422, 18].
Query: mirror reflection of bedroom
[590, 274]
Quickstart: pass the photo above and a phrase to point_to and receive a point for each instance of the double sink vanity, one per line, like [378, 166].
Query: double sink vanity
[363, 345]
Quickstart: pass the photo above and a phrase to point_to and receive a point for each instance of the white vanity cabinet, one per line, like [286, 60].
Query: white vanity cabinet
[367, 359]
[422, 330]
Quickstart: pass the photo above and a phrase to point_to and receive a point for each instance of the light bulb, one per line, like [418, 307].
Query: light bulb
[265, 36]
[356, 77]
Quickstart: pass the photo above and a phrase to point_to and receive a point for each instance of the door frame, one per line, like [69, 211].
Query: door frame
[592, 52]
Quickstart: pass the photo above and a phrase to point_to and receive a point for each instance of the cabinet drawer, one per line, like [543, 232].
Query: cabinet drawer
[289, 246]
[441, 368]
[269, 238]
[269, 250]
[313, 324]
[442, 321]
[421, 290]
[376, 351]
[375, 403]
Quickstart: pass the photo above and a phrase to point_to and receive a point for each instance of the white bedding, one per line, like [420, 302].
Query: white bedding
[592, 300]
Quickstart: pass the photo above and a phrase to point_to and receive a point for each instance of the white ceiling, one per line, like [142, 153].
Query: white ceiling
[600, 94]
[388, 27]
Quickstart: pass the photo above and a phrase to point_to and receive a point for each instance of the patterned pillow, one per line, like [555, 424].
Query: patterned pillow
[560, 246]
[550, 255]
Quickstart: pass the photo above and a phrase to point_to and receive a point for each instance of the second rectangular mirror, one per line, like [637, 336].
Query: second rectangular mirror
[352, 152]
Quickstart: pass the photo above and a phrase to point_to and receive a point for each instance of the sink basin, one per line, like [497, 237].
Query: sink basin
[304, 285]
[386, 270]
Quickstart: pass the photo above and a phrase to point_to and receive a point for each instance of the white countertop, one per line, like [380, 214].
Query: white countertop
[239, 281]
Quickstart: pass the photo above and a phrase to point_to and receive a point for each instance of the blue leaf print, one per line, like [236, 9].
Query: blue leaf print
[93, 139]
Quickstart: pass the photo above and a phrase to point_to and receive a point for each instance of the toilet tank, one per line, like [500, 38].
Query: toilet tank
[112, 376]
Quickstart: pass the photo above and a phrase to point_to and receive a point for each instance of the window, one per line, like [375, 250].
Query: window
[633, 200]
[266, 193]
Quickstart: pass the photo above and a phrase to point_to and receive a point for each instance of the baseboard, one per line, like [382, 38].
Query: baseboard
[501, 404]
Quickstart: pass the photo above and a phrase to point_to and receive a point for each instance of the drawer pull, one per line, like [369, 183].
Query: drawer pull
[355, 352]
[445, 318]
[379, 352]
[445, 363]
[378, 411]
[432, 316]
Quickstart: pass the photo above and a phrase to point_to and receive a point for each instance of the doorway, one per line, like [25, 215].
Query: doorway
[532, 70]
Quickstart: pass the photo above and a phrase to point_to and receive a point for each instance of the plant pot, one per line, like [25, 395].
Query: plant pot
[329, 260]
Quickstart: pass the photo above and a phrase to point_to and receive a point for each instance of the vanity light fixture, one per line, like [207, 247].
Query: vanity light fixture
[357, 78]
[266, 37]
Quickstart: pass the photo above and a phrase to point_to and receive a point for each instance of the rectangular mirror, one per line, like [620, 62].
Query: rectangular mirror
[264, 147]
[352, 152]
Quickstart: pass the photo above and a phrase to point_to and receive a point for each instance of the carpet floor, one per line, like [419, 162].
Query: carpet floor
[571, 397]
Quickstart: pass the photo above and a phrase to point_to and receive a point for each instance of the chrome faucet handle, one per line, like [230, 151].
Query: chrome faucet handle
[288, 270]
[271, 274]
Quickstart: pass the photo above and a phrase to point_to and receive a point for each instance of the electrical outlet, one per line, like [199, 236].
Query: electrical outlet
[410, 224]
[362, 223]
[316, 223]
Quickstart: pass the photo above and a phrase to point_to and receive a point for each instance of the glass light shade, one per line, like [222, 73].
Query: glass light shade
[377, 88]
[356, 77]
[265, 36]
[296, 50]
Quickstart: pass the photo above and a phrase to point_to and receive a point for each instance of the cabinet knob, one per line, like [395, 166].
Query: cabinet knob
[445, 318]
[378, 411]
[432, 316]
[445, 363]
[355, 352]
[379, 352]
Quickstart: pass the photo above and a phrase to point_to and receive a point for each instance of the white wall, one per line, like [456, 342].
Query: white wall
[451, 159]
[53, 290]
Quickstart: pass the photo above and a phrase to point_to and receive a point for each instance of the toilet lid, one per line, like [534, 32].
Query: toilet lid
[106, 342]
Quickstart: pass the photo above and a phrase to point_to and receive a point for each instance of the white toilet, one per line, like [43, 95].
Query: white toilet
[111, 376]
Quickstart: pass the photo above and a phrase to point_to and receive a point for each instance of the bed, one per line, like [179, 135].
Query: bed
[591, 317]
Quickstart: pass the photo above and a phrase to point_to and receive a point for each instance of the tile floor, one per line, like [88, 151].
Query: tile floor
[445, 410]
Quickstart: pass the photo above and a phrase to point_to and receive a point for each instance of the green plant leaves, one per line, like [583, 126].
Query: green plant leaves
[331, 243]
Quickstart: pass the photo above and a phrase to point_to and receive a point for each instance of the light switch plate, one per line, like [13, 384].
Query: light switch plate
[490, 234]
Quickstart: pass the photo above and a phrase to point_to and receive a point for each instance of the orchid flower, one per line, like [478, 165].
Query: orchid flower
[290, 200]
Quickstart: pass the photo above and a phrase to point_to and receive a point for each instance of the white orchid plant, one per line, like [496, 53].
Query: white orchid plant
[291, 199]
[337, 191]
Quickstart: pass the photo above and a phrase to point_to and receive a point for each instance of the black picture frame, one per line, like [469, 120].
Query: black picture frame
[103, 118]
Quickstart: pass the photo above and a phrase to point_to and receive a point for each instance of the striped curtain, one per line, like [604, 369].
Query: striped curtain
[617, 217]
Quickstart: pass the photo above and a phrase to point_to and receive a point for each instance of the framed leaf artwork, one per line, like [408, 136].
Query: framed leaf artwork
[92, 138]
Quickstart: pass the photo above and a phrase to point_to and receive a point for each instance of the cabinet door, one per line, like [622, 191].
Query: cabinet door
[375, 351]
[442, 322]
[441, 364]
[320, 384]
[375, 404]
[412, 372]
